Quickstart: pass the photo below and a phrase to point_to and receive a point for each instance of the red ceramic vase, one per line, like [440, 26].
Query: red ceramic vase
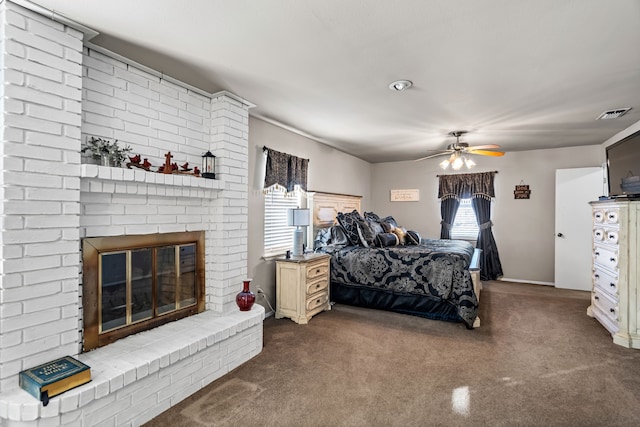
[245, 298]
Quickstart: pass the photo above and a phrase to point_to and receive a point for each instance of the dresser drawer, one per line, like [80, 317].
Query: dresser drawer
[598, 234]
[612, 237]
[598, 216]
[606, 257]
[317, 301]
[607, 305]
[612, 216]
[606, 281]
[317, 270]
[317, 286]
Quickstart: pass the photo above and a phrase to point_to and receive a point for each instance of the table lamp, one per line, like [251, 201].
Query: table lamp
[298, 218]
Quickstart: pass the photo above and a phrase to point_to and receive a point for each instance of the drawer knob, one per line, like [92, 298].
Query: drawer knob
[597, 253]
[597, 276]
[318, 271]
[596, 298]
[613, 285]
[612, 310]
[612, 259]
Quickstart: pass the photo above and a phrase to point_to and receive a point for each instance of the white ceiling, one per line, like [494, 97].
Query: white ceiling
[527, 74]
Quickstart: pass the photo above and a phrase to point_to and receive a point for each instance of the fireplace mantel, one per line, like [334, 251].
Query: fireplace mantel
[101, 179]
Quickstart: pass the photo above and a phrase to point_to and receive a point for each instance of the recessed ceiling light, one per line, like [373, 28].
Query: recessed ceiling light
[400, 85]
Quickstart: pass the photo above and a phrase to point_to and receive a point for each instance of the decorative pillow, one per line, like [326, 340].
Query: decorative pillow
[412, 238]
[389, 220]
[366, 234]
[401, 233]
[338, 236]
[348, 221]
[371, 216]
[323, 237]
[388, 224]
[375, 226]
[387, 239]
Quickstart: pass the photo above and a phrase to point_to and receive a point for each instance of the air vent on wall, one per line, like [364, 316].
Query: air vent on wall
[613, 114]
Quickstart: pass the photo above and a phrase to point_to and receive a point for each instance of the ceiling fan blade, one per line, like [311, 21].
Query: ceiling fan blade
[483, 147]
[486, 153]
[432, 155]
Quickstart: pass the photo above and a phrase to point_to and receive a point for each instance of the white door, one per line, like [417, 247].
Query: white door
[575, 188]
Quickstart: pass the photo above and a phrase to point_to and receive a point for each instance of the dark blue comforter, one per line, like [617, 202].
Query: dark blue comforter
[437, 270]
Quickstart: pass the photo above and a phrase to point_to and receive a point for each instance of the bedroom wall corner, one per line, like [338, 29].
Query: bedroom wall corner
[330, 170]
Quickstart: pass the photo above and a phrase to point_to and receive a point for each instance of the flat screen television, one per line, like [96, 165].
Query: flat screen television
[623, 167]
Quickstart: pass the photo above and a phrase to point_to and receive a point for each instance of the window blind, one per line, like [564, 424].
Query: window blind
[465, 226]
[278, 237]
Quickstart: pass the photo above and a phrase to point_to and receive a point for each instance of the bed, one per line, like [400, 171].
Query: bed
[431, 278]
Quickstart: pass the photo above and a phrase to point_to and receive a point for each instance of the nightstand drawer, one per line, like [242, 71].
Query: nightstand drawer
[318, 269]
[317, 286]
[317, 301]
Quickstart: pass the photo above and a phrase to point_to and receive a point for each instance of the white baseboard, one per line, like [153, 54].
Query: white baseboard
[533, 282]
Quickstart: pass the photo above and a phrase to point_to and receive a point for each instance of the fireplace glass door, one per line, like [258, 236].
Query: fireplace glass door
[140, 287]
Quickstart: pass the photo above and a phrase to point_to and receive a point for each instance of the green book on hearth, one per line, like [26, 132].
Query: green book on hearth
[55, 377]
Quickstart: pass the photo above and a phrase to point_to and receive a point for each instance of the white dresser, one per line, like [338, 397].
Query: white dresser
[615, 301]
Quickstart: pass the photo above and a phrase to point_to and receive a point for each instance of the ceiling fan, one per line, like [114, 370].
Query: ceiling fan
[458, 150]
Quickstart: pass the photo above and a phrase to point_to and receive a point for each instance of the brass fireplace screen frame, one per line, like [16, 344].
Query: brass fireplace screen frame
[93, 247]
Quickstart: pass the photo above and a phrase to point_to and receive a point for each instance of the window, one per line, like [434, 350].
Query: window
[465, 226]
[278, 236]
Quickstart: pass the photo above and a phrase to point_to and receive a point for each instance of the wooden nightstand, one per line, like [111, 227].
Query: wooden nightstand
[302, 286]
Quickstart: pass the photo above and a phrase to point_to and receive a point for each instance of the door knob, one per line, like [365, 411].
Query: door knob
[560, 235]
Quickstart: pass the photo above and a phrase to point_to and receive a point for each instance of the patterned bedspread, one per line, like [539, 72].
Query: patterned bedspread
[434, 269]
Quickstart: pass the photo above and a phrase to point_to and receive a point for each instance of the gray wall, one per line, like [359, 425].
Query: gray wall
[524, 229]
[330, 170]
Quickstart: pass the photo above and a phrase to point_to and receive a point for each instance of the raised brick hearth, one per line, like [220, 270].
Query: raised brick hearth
[59, 90]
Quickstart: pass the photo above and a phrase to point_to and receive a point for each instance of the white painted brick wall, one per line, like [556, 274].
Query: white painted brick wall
[40, 203]
[148, 113]
[57, 95]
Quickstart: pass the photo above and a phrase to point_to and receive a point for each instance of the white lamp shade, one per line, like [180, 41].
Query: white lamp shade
[298, 217]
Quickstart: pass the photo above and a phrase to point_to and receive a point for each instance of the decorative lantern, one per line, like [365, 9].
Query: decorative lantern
[208, 165]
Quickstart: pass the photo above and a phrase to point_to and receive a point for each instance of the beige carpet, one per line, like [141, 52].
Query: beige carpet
[537, 360]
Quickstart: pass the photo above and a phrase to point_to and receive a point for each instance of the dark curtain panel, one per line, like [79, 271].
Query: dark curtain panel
[490, 266]
[478, 187]
[285, 171]
[448, 209]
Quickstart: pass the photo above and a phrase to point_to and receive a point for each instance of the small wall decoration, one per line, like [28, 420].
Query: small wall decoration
[408, 195]
[522, 191]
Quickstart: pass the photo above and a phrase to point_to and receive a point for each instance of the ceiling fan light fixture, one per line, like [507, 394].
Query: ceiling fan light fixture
[444, 164]
[400, 85]
[457, 163]
[469, 163]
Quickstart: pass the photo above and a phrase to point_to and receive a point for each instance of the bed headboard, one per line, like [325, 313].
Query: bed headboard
[325, 206]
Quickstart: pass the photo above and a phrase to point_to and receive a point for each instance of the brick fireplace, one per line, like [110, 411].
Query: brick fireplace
[58, 91]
